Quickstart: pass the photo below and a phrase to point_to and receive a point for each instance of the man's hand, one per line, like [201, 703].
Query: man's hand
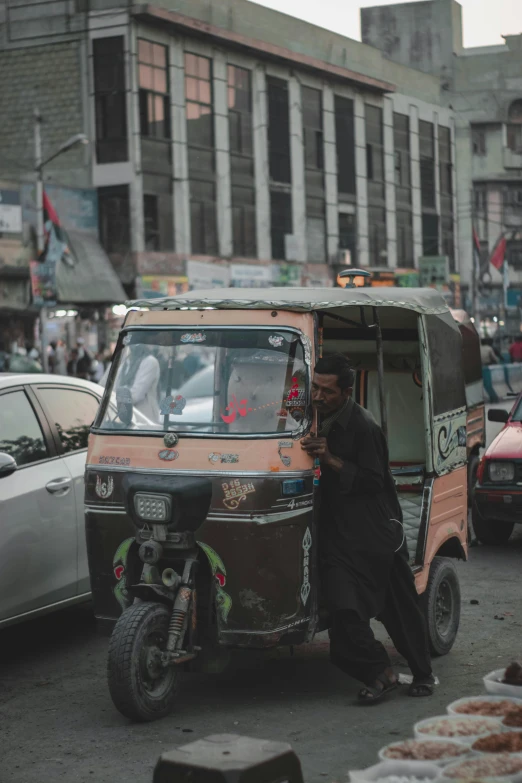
[318, 449]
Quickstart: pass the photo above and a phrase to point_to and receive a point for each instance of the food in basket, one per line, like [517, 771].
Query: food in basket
[485, 767]
[513, 674]
[424, 750]
[403, 779]
[458, 727]
[506, 742]
[514, 718]
[492, 709]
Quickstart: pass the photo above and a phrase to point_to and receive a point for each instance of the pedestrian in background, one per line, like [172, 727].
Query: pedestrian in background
[487, 352]
[515, 349]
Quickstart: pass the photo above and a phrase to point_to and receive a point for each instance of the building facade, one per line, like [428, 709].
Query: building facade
[483, 86]
[232, 135]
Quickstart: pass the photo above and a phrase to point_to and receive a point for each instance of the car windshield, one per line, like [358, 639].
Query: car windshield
[517, 411]
[219, 381]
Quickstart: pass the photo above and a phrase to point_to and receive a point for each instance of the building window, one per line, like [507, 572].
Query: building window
[312, 109]
[377, 236]
[405, 257]
[240, 110]
[201, 157]
[374, 153]
[514, 129]
[348, 235]
[478, 140]
[114, 219]
[278, 130]
[151, 219]
[244, 222]
[280, 222]
[446, 195]
[241, 162]
[345, 145]
[110, 99]
[427, 164]
[154, 89]
[203, 218]
[401, 141]
[430, 234]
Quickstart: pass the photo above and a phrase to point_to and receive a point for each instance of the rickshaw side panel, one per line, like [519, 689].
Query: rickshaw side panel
[476, 429]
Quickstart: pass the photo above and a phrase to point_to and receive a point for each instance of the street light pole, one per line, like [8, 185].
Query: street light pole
[40, 226]
[78, 138]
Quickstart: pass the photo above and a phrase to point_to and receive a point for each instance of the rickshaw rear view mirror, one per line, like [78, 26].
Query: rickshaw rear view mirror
[7, 465]
[498, 415]
[124, 404]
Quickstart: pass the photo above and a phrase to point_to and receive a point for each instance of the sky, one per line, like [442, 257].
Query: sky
[485, 21]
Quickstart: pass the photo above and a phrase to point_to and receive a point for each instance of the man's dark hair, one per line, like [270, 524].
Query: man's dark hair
[337, 364]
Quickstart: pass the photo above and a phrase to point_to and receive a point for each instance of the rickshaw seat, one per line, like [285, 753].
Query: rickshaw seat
[411, 505]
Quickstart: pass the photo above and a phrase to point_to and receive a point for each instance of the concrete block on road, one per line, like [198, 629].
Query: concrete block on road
[221, 758]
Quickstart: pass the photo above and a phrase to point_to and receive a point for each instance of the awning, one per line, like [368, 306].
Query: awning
[91, 278]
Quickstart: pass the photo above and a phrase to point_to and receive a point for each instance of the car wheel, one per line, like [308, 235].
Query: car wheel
[490, 532]
[141, 688]
[442, 605]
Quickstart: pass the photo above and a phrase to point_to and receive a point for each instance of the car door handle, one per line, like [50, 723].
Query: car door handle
[58, 485]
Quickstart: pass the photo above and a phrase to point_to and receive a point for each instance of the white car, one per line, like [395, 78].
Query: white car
[44, 426]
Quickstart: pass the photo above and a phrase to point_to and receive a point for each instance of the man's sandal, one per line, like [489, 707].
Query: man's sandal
[372, 695]
[424, 686]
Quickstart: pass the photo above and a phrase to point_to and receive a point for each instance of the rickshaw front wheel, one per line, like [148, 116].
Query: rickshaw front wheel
[140, 687]
[442, 605]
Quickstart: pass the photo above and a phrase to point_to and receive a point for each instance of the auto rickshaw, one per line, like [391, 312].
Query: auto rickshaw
[201, 512]
[476, 419]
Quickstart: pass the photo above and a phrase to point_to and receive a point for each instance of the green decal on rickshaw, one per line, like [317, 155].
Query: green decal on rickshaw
[219, 572]
[119, 565]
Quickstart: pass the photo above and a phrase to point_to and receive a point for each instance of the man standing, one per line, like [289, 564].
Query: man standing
[365, 571]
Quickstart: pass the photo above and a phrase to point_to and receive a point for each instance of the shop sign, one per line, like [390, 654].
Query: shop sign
[288, 275]
[10, 212]
[156, 286]
[205, 276]
[250, 275]
[77, 208]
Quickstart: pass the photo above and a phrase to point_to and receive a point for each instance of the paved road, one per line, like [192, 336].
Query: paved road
[57, 721]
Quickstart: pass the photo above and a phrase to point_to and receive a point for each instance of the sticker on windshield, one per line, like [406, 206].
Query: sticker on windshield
[275, 340]
[193, 337]
[168, 454]
[235, 409]
[296, 396]
[235, 493]
[126, 340]
[173, 405]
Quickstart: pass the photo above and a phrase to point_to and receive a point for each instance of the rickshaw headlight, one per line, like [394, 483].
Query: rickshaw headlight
[152, 508]
[501, 471]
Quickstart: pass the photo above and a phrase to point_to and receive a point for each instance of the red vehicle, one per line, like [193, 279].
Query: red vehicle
[497, 504]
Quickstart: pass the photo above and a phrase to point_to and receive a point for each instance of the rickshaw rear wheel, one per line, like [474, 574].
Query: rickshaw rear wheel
[442, 605]
[140, 687]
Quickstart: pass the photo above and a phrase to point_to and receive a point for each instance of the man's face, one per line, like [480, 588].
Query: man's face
[327, 396]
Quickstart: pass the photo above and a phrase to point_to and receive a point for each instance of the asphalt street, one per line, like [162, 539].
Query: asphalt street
[57, 721]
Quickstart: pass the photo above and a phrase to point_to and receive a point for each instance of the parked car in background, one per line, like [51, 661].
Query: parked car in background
[497, 502]
[44, 426]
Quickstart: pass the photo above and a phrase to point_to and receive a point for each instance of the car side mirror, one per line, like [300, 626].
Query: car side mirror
[499, 415]
[7, 465]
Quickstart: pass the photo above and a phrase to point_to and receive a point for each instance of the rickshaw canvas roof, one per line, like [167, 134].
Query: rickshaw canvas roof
[425, 301]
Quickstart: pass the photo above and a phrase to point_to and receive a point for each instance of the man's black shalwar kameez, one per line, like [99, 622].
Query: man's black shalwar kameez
[364, 569]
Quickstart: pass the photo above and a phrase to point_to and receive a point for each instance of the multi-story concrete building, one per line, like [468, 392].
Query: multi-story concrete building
[483, 87]
[230, 133]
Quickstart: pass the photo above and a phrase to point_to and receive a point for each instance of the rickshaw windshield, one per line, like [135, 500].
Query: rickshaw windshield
[219, 381]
